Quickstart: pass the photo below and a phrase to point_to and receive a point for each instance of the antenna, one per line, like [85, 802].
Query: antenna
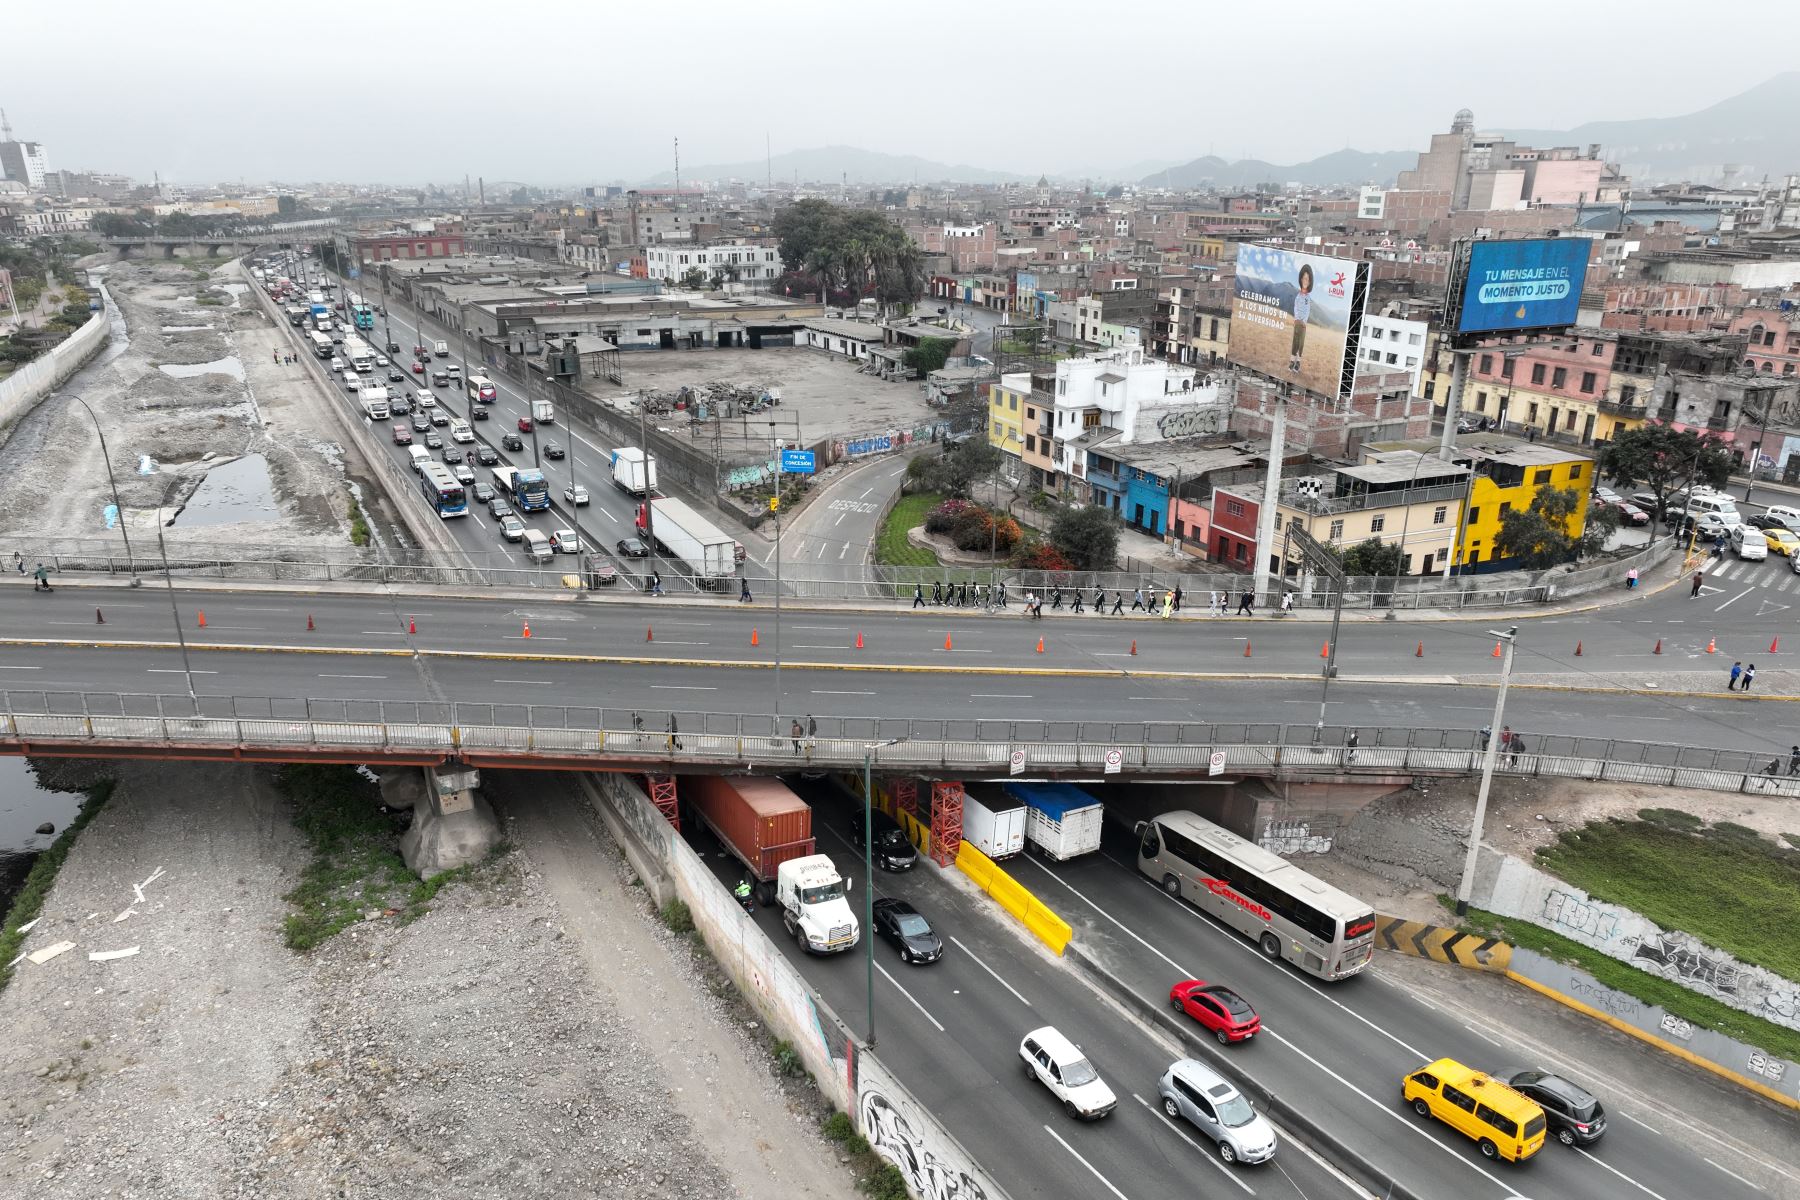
[677, 164]
[768, 163]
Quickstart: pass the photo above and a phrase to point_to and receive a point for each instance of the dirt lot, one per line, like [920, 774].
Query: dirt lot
[831, 397]
[167, 428]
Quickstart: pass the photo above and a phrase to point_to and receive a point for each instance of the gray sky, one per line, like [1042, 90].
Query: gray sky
[406, 92]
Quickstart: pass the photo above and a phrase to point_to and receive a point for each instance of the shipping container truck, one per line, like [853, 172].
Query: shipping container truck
[633, 471]
[686, 535]
[1061, 820]
[993, 822]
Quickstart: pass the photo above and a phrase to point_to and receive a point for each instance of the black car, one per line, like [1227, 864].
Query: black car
[512, 441]
[433, 440]
[400, 405]
[498, 507]
[487, 456]
[478, 413]
[439, 417]
[910, 933]
[1575, 1117]
[396, 375]
[891, 850]
[1765, 521]
[393, 347]
[421, 423]
[552, 450]
[633, 548]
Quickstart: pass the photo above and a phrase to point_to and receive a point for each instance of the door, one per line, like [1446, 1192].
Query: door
[1587, 429]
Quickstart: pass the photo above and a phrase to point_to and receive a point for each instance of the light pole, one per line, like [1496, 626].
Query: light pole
[869, 750]
[130, 562]
[775, 505]
[1488, 760]
[187, 667]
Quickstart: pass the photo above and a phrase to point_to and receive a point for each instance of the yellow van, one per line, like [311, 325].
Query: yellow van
[1503, 1123]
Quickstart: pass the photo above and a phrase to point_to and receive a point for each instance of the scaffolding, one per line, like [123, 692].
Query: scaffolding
[662, 794]
[946, 822]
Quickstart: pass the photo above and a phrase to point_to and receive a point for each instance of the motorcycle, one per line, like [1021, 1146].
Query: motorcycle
[747, 901]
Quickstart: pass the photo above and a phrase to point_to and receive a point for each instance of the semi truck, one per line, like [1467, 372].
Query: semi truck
[1061, 820]
[686, 535]
[633, 471]
[769, 830]
[524, 486]
[993, 822]
[374, 401]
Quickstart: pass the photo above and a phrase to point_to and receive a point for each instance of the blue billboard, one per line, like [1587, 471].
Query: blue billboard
[1528, 284]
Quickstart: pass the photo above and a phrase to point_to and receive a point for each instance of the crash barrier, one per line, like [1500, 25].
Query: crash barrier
[851, 1077]
[1009, 894]
[1449, 946]
[1747, 1066]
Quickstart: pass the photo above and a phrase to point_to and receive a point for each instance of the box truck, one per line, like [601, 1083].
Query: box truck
[993, 822]
[441, 349]
[1061, 820]
[543, 412]
[633, 471]
[686, 535]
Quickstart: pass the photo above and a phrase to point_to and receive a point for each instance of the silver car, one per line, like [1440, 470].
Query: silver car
[1198, 1094]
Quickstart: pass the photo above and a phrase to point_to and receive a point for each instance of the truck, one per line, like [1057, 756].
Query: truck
[686, 535]
[633, 471]
[524, 486]
[993, 822]
[441, 349]
[769, 829]
[1061, 820]
[543, 412]
[374, 401]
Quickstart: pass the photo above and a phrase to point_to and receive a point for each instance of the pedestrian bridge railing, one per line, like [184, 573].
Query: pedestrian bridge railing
[136, 724]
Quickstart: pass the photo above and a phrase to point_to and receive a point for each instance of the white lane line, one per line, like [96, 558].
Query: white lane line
[1181, 1133]
[1628, 1179]
[840, 519]
[823, 628]
[680, 687]
[845, 549]
[384, 633]
[1734, 1175]
[1734, 600]
[673, 642]
[175, 671]
[866, 491]
[808, 646]
[1084, 1162]
[999, 696]
[977, 961]
[532, 682]
[909, 996]
[4, 668]
[534, 637]
[816, 691]
[325, 676]
[953, 650]
[1641, 1124]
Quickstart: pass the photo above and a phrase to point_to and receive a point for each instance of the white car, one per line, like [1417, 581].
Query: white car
[1057, 1063]
[564, 541]
[575, 494]
[1749, 543]
[1195, 1093]
[460, 431]
[424, 398]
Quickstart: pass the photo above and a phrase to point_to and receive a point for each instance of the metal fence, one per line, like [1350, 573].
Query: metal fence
[105, 720]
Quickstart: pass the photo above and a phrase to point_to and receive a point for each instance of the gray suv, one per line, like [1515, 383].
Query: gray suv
[1196, 1093]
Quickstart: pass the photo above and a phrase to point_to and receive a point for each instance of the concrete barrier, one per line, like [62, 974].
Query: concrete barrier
[21, 391]
[1449, 946]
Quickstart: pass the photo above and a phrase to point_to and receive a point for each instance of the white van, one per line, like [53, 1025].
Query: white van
[1787, 515]
[537, 546]
[1700, 503]
[460, 431]
[420, 456]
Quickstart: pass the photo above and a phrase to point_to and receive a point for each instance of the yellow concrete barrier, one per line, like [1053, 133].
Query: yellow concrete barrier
[1449, 946]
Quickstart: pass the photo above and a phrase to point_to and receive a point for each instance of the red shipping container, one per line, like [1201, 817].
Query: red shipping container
[758, 817]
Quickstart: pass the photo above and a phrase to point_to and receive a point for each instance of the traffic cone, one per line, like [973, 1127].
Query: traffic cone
[947, 645]
[1496, 649]
[755, 640]
[527, 632]
[1658, 649]
[1134, 647]
[1712, 645]
[412, 626]
[1324, 649]
[859, 644]
[1040, 648]
[1774, 644]
[649, 634]
[1420, 651]
[309, 624]
[1577, 649]
[1246, 647]
[203, 618]
[98, 619]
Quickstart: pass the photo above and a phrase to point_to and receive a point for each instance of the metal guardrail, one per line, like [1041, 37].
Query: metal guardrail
[271, 724]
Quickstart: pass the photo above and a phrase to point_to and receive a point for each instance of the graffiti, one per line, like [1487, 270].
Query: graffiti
[1600, 996]
[1674, 956]
[1784, 1007]
[1674, 1026]
[1772, 1069]
[873, 445]
[1575, 913]
[904, 1134]
[1190, 422]
[750, 476]
[1293, 837]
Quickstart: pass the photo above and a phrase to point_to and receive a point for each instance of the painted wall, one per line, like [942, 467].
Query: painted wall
[934, 1163]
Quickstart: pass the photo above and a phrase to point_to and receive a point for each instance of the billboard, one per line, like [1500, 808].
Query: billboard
[1297, 317]
[1528, 284]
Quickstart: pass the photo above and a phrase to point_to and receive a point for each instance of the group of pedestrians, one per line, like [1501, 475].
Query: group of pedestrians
[1741, 677]
[1165, 602]
[961, 595]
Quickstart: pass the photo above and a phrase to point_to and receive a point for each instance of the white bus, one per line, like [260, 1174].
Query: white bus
[321, 344]
[1291, 915]
[358, 354]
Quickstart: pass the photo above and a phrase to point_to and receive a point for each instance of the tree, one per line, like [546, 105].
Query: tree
[694, 280]
[929, 355]
[1539, 536]
[801, 226]
[1087, 536]
[956, 471]
[1664, 460]
[1372, 558]
[118, 225]
[858, 249]
[286, 206]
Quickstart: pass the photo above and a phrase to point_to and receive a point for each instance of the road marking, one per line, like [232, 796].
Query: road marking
[175, 671]
[325, 676]
[1084, 1162]
[4, 668]
[953, 650]
[1628, 1179]
[1181, 1133]
[804, 646]
[823, 628]
[531, 682]
[998, 696]
[1769, 606]
[816, 691]
[673, 642]
[534, 637]
[1635, 1121]
[1729, 1172]
[1734, 599]
[845, 549]
[384, 632]
[977, 961]
[909, 996]
[680, 687]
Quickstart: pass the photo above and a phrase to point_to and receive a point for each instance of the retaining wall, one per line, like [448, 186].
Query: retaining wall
[21, 391]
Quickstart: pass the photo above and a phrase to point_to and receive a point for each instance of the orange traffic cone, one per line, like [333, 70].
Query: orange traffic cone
[859, 644]
[1420, 651]
[1577, 649]
[1712, 645]
[309, 624]
[1040, 648]
[412, 626]
[754, 639]
[1658, 649]
[947, 642]
[1246, 647]
[1774, 644]
[527, 630]
[649, 634]
[98, 619]
[203, 618]
[1324, 649]
[1134, 647]
[1496, 649]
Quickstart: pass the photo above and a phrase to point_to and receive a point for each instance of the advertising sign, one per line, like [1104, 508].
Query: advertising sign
[1527, 284]
[1297, 317]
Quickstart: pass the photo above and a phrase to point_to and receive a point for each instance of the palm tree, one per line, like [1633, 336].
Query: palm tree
[824, 264]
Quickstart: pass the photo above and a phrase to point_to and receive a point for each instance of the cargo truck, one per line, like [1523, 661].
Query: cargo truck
[1061, 820]
[686, 535]
[769, 829]
[633, 471]
[543, 412]
[526, 487]
[993, 822]
[374, 400]
[441, 349]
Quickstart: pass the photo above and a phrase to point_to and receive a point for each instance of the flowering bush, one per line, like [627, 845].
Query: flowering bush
[943, 518]
[1045, 557]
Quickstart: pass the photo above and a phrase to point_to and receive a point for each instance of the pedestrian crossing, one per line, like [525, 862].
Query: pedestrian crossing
[1774, 575]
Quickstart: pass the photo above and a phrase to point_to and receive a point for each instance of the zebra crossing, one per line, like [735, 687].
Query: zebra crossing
[1738, 577]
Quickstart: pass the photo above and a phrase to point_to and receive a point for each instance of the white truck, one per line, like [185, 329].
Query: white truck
[374, 401]
[1061, 820]
[994, 824]
[633, 471]
[441, 349]
[543, 412]
[814, 910]
[686, 535]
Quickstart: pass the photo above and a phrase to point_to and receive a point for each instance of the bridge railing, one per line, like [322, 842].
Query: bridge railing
[101, 720]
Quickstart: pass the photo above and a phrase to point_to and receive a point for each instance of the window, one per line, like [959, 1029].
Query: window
[1031, 442]
[1337, 531]
[1234, 507]
[1540, 475]
[1241, 554]
[1574, 470]
[1461, 1099]
[1559, 377]
[1599, 349]
[1012, 402]
[1506, 368]
[1587, 381]
[1030, 413]
[1487, 364]
[1504, 1124]
[1062, 387]
[1430, 387]
[1537, 372]
[1480, 401]
[1474, 516]
[1440, 514]
[1377, 524]
[1627, 394]
[1505, 507]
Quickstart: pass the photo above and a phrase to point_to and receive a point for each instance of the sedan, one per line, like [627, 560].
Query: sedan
[552, 450]
[513, 441]
[911, 934]
[395, 374]
[1606, 495]
[481, 492]
[418, 368]
[564, 541]
[487, 456]
[1575, 1117]
[393, 347]
[498, 507]
[432, 440]
[439, 417]
[575, 494]
[632, 548]
[1782, 541]
[511, 528]
[439, 379]
[421, 423]
[524, 424]
[463, 474]
[1219, 1009]
[1631, 514]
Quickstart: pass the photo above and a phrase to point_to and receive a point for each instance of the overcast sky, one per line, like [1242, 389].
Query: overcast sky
[405, 92]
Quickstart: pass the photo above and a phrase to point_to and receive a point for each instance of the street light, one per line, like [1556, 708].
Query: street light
[1487, 773]
[869, 750]
[187, 667]
[130, 562]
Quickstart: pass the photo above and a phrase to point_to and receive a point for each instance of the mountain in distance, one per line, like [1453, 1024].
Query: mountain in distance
[833, 164]
[1341, 166]
[1752, 132]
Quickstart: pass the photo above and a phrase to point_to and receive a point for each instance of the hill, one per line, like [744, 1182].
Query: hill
[833, 164]
[1342, 166]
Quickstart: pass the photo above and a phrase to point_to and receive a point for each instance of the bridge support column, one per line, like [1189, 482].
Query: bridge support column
[946, 822]
[169, 249]
[905, 791]
[212, 250]
[448, 830]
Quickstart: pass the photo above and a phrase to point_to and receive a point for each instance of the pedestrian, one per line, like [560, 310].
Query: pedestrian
[1212, 604]
[1177, 595]
[674, 733]
[937, 592]
[637, 723]
[1055, 597]
[1505, 738]
[812, 730]
[1350, 745]
[1037, 607]
[18, 562]
[1003, 594]
[1794, 761]
[1137, 600]
[1749, 676]
[1119, 603]
[962, 600]
[1698, 576]
[1076, 607]
[1515, 748]
[1246, 605]
[42, 578]
[1737, 668]
[1772, 770]
[1168, 604]
[1287, 602]
[918, 596]
[743, 591]
[795, 733]
[656, 585]
[1099, 599]
[1631, 578]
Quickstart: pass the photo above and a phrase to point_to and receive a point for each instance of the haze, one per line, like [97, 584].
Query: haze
[412, 92]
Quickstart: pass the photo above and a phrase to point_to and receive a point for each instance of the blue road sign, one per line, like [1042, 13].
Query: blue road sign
[797, 462]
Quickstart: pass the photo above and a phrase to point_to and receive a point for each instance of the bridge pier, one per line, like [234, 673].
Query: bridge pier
[450, 828]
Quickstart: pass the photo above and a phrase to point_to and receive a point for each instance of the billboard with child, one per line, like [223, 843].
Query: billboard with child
[1297, 317]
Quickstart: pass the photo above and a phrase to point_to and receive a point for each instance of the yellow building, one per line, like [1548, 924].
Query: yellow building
[1400, 496]
[1006, 405]
[1509, 473]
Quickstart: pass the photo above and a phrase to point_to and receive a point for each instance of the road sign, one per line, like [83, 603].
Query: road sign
[797, 462]
[774, 503]
[1016, 764]
[1114, 761]
[1215, 765]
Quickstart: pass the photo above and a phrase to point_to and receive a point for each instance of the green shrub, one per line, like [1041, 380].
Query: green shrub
[676, 917]
[788, 1061]
[885, 1183]
[1671, 818]
[839, 1127]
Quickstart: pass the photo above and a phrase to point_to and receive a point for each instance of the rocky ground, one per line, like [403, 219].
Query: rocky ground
[501, 1045]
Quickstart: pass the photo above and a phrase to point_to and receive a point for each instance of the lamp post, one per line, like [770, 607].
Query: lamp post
[187, 667]
[130, 562]
[869, 750]
[1488, 760]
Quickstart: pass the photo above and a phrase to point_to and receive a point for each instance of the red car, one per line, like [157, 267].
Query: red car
[524, 424]
[1218, 1008]
[418, 368]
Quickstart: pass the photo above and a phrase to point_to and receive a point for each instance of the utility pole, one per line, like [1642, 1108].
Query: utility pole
[1265, 519]
[1488, 760]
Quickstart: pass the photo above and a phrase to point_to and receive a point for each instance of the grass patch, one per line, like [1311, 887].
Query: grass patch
[1726, 885]
[891, 547]
[676, 917]
[788, 1061]
[1702, 1011]
[28, 905]
[359, 524]
[876, 1176]
[356, 868]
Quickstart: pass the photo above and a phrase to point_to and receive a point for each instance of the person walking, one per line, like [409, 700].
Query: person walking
[1287, 602]
[1137, 600]
[1794, 761]
[1737, 668]
[1695, 591]
[1056, 597]
[937, 592]
[1169, 603]
[41, 579]
[1119, 603]
[743, 591]
[795, 733]
[1177, 595]
[918, 596]
[1350, 745]
[18, 562]
[962, 595]
[1513, 749]
[1003, 594]
[812, 733]
[1749, 677]
[674, 733]
[1076, 607]
[1772, 770]
[1099, 599]
[1246, 605]
[1212, 604]
[1631, 580]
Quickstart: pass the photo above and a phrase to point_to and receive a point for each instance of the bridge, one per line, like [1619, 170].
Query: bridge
[301, 233]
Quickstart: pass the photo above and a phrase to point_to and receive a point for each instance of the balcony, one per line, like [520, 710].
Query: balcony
[1615, 408]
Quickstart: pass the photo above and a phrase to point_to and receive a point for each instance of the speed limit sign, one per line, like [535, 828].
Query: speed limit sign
[1114, 760]
[1215, 765]
[1016, 764]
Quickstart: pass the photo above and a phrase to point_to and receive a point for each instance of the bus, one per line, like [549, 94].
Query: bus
[481, 389]
[1324, 932]
[358, 354]
[321, 344]
[446, 496]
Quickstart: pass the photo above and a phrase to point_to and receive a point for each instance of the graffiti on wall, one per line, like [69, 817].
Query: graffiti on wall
[908, 1136]
[1571, 914]
[1679, 957]
[1295, 837]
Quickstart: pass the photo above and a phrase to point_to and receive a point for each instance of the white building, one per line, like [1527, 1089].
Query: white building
[25, 162]
[1371, 203]
[752, 264]
[1394, 345]
[1107, 391]
[46, 222]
